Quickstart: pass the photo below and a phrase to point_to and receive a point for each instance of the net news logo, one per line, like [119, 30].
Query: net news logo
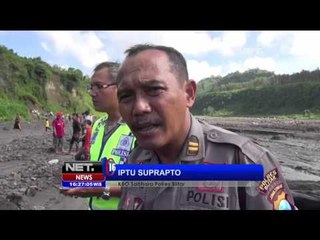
[109, 166]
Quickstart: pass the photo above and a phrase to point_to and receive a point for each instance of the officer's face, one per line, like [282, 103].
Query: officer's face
[153, 102]
[103, 99]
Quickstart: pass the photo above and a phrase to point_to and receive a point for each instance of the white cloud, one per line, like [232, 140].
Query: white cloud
[201, 42]
[86, 47]
[306, 45]
[199, 70]
[66, 67]
[268, 64]
[295, 50]
[261, 63]
[193, 43]
[278, 42]
[187, 42]
[230, 42]
[296, 43]
[278, 51]
[268, 38]
[294, 65]
[45, 46]
[117, 42]
[234, 67]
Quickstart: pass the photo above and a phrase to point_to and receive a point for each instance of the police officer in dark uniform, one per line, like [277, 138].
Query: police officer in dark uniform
[155, 95]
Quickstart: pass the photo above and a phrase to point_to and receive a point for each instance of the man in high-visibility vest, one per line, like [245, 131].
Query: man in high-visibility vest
[111, 137]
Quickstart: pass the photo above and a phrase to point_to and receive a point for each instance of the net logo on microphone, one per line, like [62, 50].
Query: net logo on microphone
[109, 166]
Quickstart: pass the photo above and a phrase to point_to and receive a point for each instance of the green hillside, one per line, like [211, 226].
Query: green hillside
[260, 93]
[30, 83]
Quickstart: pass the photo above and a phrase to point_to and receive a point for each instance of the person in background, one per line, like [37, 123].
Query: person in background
[111, 137]
[17, 122]
[84, 152]
[47, 124]
[76, 132]
[58, 132]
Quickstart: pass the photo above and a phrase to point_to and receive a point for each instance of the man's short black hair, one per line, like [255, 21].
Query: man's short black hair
[87, 121]
[179, 65]
[112, 66]
[87, 112]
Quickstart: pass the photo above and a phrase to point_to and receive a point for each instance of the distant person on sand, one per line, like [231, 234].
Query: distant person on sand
[58, 132]
[17, 122]
[76, 128]
[47, 125]
[84, 152]
[87, 116]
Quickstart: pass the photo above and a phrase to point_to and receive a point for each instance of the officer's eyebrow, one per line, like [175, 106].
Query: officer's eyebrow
[98, 81]
[152, 82]
[124, 90]
[144, 84]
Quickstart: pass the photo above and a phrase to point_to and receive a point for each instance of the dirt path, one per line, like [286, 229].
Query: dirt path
[27, 180]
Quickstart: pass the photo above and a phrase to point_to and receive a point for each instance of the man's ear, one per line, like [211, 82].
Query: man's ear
[190, 91]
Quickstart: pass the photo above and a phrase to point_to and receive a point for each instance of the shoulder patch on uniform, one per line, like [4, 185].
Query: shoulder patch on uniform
[219, 135]
[246, 145]
[193, 145]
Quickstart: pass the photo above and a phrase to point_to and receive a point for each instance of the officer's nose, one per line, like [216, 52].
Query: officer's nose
[141, 106]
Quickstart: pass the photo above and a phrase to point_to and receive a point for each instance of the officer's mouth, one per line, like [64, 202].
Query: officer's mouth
[145, 129]
[95, 103]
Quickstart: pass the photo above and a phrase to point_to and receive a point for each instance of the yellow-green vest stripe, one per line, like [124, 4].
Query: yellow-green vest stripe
[111, 145]
[96, 138]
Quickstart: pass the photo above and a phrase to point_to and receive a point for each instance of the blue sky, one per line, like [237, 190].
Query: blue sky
[207, 52]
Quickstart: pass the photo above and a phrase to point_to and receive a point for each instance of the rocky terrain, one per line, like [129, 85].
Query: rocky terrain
[28, 180]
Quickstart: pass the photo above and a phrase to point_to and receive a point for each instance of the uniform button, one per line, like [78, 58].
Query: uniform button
[213, 135]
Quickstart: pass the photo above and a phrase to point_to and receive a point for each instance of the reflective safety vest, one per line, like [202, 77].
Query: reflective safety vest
[118, 146]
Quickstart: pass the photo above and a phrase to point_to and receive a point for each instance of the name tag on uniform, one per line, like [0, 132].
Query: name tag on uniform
[123, 147]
